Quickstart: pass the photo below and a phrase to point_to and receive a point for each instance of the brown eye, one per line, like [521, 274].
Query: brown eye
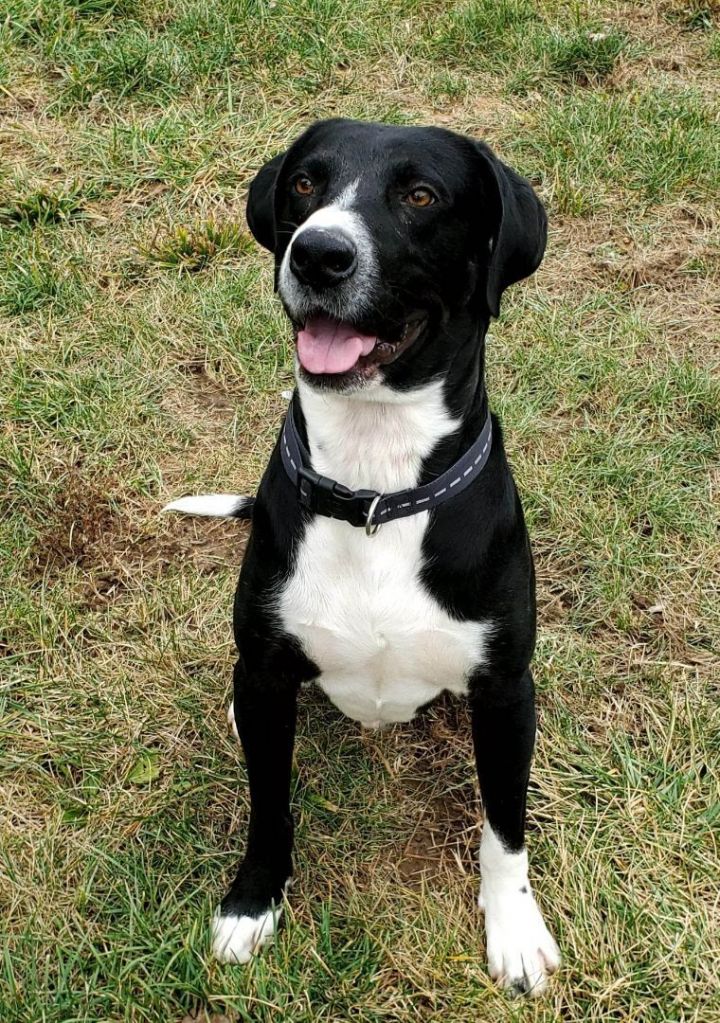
[420, 197]
[304, 186]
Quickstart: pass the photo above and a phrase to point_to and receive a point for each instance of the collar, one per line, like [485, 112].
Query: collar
[369, 508]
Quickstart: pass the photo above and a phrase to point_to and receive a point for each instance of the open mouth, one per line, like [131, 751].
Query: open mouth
[329, 346]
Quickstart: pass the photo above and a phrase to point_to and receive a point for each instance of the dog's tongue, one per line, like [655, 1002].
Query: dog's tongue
[329, 346]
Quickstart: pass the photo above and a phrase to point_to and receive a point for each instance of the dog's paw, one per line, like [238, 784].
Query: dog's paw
[231, 720]
[236, 939]
[520, 949]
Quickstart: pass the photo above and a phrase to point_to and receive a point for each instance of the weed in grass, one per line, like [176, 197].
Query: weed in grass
[446, 85]
[189, 249]
[41, 205]
[569, 197]
[31, 281]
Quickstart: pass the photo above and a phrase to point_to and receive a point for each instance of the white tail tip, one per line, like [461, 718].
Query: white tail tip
[216, 506]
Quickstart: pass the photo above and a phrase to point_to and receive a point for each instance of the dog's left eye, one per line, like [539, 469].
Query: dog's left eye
[420, 197]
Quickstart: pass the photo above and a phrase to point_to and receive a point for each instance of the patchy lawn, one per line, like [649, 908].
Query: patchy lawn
[142, 356]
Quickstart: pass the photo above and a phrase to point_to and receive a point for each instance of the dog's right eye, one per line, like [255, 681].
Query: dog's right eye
[420, 197]
[303, 185]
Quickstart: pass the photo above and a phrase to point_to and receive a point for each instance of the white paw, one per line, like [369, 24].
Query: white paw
[520, 950]
[236, 939]
[231, 720]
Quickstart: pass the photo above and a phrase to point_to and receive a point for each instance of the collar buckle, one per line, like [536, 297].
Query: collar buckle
[326, 497]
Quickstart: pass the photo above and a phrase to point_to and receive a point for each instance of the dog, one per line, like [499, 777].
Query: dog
[389, 559]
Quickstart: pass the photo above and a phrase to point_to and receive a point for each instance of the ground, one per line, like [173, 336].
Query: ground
[143, 356]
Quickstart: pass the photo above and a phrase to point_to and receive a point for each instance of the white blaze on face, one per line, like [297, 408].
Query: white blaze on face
[353, 297]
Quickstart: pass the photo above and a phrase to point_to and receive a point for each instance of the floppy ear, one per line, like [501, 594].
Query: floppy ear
[518, 237]
[260, 209]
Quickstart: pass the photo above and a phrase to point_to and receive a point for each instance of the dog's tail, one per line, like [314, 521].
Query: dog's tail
[218, 506]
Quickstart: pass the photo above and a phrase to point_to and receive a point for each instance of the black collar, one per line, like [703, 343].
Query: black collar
[369, 508]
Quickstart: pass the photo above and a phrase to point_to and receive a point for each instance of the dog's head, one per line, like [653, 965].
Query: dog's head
[385, 239]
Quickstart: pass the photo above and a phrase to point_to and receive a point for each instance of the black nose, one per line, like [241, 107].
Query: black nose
[321, 258]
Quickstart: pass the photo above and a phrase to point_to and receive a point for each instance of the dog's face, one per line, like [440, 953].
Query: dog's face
[386, 240]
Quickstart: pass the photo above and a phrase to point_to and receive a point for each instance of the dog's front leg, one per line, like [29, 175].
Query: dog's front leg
[265, 713]
[520, 950]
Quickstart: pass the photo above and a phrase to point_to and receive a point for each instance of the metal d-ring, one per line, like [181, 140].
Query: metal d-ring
[371, 527]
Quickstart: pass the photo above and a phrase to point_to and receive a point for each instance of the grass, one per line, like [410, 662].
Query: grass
[142, 356]
[192, 249]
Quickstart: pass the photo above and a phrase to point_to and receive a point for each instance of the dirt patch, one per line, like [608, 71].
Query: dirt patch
[82, 519]
[437, 790]
[672, 276]
[673, 48]
[206, 1017]
[444, 839]
[203, 400]
[208, 547]
[582, 251]
[114, 544]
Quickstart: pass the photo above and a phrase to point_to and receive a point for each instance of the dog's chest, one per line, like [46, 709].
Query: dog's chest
[384, 646]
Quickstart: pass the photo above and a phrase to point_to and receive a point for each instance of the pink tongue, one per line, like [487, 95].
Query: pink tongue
[329, 346]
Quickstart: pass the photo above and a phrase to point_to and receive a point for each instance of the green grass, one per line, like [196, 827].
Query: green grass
[142, 355]
[192, 249]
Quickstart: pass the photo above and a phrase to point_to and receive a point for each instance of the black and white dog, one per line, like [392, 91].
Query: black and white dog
[366, 572]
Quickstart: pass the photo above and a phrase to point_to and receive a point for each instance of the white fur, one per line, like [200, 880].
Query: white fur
[520, 950]
[383, 644]
[231, 720]
[220, 506]
[236, 939]
[350, 299]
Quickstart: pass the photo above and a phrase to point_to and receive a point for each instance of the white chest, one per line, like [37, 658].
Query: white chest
[383, 645]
